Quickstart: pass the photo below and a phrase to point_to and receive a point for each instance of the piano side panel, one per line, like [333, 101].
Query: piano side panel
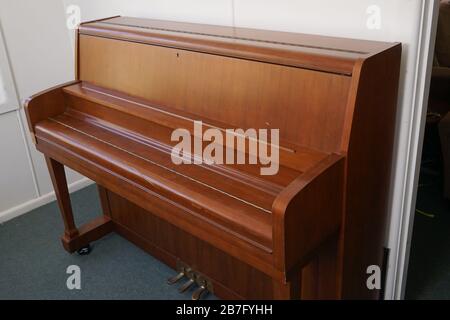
[242, 93]
[369, 162]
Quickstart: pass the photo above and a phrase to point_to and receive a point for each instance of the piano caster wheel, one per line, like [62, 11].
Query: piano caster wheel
[199, 292]
[186, 286]
[85, 250]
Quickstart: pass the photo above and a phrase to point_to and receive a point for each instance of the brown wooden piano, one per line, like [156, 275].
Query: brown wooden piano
[310, 231]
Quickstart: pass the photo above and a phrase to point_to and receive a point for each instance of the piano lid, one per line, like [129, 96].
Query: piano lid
[330, 54]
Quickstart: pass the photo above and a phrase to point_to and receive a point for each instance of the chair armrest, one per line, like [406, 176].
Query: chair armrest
[308, 212]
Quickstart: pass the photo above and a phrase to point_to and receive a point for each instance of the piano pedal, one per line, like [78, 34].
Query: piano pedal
[203, 289]
[186, 285]
[183, 271]
[176, 278]
[193, 278]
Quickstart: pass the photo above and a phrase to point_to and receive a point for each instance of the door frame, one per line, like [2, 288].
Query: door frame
[404, 194]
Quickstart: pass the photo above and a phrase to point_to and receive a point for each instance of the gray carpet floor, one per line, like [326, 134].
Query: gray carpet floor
[33, 263]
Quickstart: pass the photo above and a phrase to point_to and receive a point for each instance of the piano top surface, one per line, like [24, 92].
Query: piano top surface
[331, 54]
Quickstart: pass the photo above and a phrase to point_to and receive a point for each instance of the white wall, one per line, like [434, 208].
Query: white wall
[35, 54]
[15, 172]
[40, 48]
[16, 183]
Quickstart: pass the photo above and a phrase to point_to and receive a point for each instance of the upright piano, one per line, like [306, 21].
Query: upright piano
[309, 231]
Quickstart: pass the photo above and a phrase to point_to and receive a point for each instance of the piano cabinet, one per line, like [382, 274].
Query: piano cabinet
[308, 232]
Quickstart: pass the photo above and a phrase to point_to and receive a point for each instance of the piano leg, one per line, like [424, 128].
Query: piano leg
[74, 238]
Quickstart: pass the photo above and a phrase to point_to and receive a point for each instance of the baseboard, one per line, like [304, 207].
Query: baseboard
[38, 202]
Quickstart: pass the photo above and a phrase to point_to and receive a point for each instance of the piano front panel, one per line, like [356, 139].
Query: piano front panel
[240, 93]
